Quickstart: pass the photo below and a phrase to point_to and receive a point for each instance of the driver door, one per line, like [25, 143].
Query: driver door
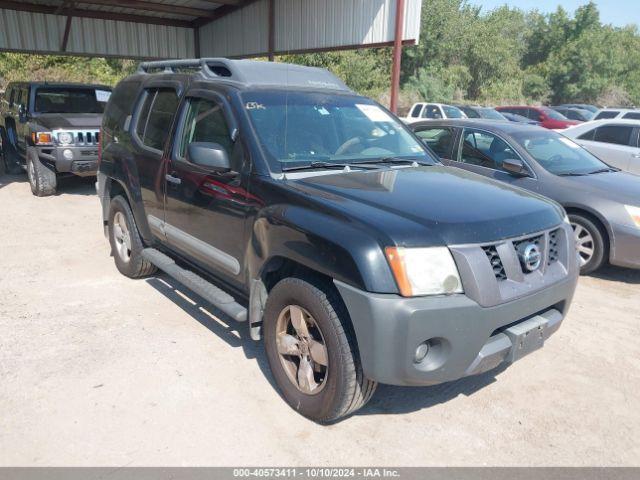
[205, 210]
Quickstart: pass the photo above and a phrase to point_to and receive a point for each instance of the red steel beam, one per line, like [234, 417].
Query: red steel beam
[397, 56]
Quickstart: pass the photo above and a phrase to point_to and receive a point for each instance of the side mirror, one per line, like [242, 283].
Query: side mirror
[515, 167]
[209, 155]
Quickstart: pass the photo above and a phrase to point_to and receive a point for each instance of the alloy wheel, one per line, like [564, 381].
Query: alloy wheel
[302, 349]
[584, 242]
[122, 236]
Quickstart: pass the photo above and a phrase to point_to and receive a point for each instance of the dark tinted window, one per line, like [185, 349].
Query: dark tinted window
[606, 115]
[470, 112]
[438, 139]
[632, 116]
[431, 111]
[532, 114]
[485, 150]
[156, 116]
[70, 100]
[120, 105]
[415, 113]
[614, 134]
[589, 135]
[204, 122]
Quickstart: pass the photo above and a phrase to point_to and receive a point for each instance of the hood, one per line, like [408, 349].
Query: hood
[53, 121]
[435, 205]
[622, 187]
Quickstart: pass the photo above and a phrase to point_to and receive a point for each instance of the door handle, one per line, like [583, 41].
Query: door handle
[172, 179]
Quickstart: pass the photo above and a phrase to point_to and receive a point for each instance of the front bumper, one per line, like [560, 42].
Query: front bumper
[465, 338]
[626, 246]
[84, 162]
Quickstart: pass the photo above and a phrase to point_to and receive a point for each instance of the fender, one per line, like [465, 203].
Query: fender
[124, 172]
[321, 242]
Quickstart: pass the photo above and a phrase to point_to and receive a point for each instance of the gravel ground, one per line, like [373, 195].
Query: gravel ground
[97, 369]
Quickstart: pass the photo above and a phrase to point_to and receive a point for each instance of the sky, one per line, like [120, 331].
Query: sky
[616, 12]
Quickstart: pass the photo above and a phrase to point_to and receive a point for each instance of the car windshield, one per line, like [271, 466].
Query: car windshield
[491, 114]
[71, 100]
[552, 114]
[559, 155]
[296, 129]
[452, 112]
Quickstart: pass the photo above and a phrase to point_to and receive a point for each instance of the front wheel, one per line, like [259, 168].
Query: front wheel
[43, 181]
[589, 242]
[312, 350]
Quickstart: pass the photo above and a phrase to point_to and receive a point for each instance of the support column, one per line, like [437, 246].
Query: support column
[397, 55]
[272, 30]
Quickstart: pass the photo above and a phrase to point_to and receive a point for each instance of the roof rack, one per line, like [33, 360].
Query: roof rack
[250, 72]
[208, 67]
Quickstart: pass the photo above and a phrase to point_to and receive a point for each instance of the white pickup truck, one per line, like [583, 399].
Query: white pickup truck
[434, 111]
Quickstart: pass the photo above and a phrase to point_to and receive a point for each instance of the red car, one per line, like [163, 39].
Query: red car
[547, 117]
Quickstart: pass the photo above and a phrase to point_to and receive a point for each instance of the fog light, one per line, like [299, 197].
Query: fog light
[421, 352]
[68, 154]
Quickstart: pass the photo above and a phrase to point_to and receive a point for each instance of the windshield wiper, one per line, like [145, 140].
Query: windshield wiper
[572, 174]
[604, 170]
[321, 165]
[391, 160]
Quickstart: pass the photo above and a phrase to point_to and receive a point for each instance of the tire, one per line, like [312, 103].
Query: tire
[43, 180]
[592, 247]
[340, 387]
[126, 246]
[10, 156]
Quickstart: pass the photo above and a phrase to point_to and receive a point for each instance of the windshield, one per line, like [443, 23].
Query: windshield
[71, 100]
[452, 112]
[552, 114]
[557, 154]
[298, 128]
[491, 114]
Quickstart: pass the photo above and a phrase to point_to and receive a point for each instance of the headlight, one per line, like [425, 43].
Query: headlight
[634, 212]
[65, 138]
[424, 271]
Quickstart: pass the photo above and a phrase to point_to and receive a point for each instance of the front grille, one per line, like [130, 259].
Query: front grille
[537, 240]
[87, 138]
[554, 248]
[496, 262]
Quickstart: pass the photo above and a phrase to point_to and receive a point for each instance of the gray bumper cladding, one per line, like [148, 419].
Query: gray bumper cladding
[515, 342]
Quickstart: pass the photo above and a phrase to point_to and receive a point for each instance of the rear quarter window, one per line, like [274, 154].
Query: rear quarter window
[120, 105]
[606, 115]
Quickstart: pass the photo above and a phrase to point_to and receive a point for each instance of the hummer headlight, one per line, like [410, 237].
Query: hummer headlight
[65, 138]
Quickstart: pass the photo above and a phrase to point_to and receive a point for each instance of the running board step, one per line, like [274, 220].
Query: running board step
[199, 285]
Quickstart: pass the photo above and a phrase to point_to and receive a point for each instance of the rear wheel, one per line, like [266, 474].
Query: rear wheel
[312, 350]
[43, 180]
[10, 156]
[126, 244]
[590, 243]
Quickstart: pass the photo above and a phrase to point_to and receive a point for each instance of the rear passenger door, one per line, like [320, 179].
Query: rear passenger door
[206, 209]
[152, 120]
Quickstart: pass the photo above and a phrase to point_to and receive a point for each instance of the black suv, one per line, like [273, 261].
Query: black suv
[286, 200]
[51, 129]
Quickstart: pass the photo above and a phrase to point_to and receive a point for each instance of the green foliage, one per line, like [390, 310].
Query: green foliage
[464, 54]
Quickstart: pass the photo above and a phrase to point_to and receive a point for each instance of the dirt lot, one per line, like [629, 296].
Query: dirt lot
[97, 369]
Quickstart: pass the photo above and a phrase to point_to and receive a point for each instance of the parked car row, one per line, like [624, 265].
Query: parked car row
[357, 254]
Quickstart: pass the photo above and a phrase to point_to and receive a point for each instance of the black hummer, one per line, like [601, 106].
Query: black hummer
[286, 200]
[51, 129]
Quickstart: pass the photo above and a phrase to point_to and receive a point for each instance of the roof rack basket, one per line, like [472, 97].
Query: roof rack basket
[208, 67]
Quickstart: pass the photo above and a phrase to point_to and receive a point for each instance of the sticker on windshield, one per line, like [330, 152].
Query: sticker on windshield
[103, 95]
[569, 143]
[254, 106]
[374, 113]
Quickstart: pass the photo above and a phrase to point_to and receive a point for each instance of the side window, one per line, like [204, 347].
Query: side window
[415, 112]
[590, 135]
[533, 115]
[431, 111]
[606, 115]
[632, 116]
[485, 150]
[618, 135]
[9, 96]
[120, 106]
[204, 122]
[155, 117]
[440, 140]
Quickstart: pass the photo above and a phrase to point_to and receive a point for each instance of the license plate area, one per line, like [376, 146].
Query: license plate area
[526, 337]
